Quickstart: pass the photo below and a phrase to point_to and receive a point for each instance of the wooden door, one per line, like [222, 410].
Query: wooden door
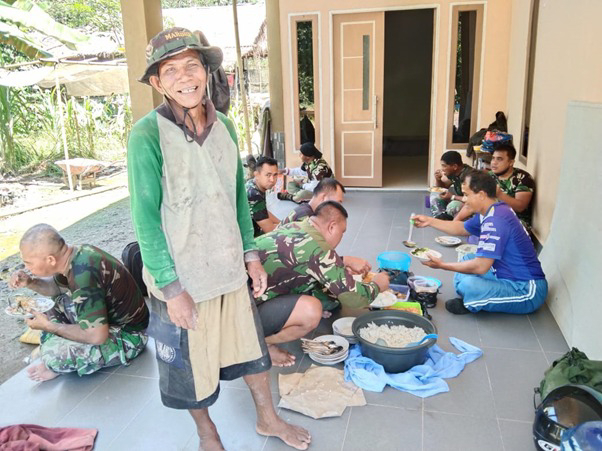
[358, 91]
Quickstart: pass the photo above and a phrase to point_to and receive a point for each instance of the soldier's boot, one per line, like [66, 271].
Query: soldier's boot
[286, 196]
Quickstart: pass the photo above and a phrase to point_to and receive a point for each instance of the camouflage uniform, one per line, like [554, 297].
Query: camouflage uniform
[439, 206]
[299, 213]
[257, 205]
[519, 181]
[315, 171]
[298, 260]
[98, 290]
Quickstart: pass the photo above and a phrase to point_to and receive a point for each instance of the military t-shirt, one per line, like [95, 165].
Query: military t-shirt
[102, 292]
[317, 169]
[298, 260]
[519, 182]
[257, 205]
[299, 213]
[456, 180]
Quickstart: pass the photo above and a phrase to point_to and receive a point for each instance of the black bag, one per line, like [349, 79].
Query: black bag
[217, 83]
[132, 260]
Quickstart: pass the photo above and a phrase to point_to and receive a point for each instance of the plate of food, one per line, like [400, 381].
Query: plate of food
[22, 305]
[423, 253]
[448, 241]
[437, 189]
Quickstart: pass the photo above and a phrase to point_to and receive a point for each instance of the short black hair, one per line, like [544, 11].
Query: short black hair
[329, 209]
[265, 160]
[452, 157]
[328, 184]
[505, 147]
[481, 181]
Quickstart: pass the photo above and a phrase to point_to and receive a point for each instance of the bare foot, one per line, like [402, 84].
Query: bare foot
[40, 373]
[211, 444]
[326, 314]
[294, 436]
[280, 357]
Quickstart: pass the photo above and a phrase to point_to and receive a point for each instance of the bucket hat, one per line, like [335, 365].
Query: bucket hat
[173, 41]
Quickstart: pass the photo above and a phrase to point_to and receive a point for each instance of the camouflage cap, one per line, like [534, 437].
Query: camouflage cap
[176, 40]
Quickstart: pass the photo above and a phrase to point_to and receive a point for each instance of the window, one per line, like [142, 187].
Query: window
[306, 113]
[464, 74]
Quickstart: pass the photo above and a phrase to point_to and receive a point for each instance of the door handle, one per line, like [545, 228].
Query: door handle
[374, 104]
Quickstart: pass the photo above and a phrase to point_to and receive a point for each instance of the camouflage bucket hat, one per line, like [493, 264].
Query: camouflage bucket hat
[176, 40]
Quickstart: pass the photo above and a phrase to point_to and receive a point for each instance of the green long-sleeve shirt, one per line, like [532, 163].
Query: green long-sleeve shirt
[186, 200]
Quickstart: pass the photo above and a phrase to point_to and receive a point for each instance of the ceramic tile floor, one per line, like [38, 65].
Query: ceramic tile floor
[489, 405]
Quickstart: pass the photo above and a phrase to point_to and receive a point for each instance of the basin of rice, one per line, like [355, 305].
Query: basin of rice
[394, 359]
[395, 336]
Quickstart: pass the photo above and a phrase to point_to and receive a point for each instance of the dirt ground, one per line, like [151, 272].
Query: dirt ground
[101, 219]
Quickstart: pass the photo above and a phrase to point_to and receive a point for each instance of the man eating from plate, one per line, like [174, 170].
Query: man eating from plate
[504, 275]
[304, 270]
[99, 318]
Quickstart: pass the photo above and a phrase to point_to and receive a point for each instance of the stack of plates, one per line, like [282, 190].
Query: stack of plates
[332, 358]
[342, 328]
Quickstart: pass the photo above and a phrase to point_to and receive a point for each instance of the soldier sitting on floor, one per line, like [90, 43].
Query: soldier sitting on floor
[301, 262]
[99, 318]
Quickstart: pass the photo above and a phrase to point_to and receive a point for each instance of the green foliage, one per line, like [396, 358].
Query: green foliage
[190, 3]
[96, 15]
[305, 63]
[237, 116]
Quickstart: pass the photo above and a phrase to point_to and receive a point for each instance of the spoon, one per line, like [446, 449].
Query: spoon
[426, 337]
[381, 342]
[409, 243]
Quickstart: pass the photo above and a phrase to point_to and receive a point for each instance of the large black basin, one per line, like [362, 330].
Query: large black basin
[394, 360]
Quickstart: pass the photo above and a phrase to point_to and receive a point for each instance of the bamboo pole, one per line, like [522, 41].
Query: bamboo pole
[59, 102]
[241, 82]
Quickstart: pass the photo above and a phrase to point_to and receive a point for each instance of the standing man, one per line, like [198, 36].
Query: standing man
[446, 205]
[328, 189]
[264, 178]
[505, 276]
[191, 217]
[99, 318]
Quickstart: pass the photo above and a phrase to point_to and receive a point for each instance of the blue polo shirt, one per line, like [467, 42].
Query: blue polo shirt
[503, 238]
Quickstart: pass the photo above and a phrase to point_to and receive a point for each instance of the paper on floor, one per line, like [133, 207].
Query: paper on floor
[320, 392]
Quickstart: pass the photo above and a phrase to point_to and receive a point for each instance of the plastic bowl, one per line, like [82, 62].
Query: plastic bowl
[394, 360]
[394, 260]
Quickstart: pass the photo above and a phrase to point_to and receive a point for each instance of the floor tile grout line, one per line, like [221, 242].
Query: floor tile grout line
[394, 407]
[346, 428]
[359, 229]
[84, 398]
[422, 428]
[130, 422]
[538, 341]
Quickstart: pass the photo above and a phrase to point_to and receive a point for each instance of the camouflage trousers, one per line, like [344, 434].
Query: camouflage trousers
[298, 193]
[439, 206]
[65, 356]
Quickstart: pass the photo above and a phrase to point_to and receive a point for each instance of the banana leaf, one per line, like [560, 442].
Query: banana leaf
[24, 13]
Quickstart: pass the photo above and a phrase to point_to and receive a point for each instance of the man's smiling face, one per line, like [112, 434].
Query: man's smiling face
[182, 78]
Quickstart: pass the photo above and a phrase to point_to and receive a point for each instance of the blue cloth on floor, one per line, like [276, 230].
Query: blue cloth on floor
[421, 380]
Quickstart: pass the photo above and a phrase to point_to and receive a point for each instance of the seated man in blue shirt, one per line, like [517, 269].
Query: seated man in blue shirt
[505, 274]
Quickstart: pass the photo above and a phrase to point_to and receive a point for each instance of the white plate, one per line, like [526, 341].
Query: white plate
[328, 362]
[342, 326]
[423, 255]
[437, 189]
[384, 299]
[41, 305]
[448, 241]
[340, 341]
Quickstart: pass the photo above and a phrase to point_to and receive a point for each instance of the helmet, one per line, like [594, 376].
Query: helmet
[564, 407]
